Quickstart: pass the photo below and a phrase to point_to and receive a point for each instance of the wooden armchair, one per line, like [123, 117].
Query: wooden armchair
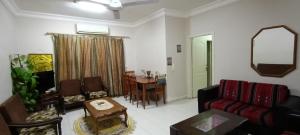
[4, 127]
[70, 94]
[94, 88]
[21, 122]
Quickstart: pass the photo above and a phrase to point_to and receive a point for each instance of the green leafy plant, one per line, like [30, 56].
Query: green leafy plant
[24, 81]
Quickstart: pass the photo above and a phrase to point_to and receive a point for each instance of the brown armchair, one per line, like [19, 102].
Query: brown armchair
[71, 94]
[94, 88]
[4, 127]
[21, 122]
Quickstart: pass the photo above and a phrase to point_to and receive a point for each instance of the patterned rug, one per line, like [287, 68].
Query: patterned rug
[87, 126]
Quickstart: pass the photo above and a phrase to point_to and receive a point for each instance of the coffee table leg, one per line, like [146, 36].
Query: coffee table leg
[126, 117]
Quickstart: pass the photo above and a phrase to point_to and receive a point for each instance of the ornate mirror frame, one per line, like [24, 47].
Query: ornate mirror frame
[273, 72]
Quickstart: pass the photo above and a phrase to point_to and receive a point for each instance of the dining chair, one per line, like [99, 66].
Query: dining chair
[159, 90]
[136, 93]
[126, 87]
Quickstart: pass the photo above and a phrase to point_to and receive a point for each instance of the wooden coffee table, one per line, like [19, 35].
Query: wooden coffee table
[211, 122]
[100, 115]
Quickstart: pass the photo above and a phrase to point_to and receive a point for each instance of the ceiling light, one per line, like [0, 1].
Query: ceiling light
[91, 7]
[115, 4]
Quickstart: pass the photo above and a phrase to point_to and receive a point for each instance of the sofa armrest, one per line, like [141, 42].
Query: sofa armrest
[205, 95]
[286, 111]
[292, 103]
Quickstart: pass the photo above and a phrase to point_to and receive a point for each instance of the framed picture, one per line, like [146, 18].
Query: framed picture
[178, 48]
[169, 61]
[41, 62]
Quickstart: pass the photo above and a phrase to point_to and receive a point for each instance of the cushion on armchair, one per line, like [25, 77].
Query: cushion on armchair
[74, 99]
[43, 115]
[98, 94]
[42, 130]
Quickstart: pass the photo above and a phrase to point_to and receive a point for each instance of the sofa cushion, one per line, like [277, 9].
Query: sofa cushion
[238, 104]
[267, 95]
[257, 114]
[230, 89]
[220, 104]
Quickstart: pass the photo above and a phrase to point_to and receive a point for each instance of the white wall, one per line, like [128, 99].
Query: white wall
[150, 42]
[175, 35]
[7, 38]
[234, 25]
[30, 33]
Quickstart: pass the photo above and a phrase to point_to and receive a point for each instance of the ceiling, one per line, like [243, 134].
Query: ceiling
[128, 14]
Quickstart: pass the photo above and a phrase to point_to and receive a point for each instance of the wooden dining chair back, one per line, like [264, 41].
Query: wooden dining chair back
[160, 87]
[126, 86]
[134, 90]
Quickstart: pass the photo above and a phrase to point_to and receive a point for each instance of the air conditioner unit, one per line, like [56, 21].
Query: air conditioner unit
[92, 29]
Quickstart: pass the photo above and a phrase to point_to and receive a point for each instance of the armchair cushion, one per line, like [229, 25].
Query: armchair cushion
[43, 115]
[42, 130]
[73, 99]
[98, 94]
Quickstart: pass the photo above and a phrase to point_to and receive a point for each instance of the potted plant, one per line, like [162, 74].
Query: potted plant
[24, 81]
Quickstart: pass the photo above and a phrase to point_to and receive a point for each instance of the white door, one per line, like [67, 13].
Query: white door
[199, 61]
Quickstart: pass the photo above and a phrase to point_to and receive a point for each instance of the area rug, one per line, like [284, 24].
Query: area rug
[87, 126]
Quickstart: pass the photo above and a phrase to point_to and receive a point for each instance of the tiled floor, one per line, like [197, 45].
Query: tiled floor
[151, 121]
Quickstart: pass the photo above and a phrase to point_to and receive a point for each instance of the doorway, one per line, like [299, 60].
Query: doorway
[201, 62]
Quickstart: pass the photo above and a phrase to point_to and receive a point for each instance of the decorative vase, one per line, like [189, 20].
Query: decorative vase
[148, 74]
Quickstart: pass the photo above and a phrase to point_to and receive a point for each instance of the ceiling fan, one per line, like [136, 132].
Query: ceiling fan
[117, 5]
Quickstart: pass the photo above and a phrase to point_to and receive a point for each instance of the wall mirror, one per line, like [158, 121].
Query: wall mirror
[273, 51]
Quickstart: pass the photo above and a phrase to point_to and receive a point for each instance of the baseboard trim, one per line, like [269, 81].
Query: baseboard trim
[171, 99]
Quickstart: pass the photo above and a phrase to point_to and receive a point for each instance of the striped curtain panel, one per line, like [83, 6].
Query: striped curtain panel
[117, 65]
[79, 56]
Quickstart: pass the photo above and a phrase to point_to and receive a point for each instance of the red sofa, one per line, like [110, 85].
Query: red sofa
[255, 101]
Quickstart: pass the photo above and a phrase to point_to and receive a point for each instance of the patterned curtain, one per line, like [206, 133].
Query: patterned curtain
[82, 56]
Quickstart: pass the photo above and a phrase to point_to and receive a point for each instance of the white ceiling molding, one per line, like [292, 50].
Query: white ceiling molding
[12, 6]
[25, 13]
[150, 17]
[210, 6]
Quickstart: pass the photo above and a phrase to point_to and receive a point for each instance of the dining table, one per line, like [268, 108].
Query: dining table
[144, 82]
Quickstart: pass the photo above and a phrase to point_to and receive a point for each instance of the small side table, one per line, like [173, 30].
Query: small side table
[50, 99]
